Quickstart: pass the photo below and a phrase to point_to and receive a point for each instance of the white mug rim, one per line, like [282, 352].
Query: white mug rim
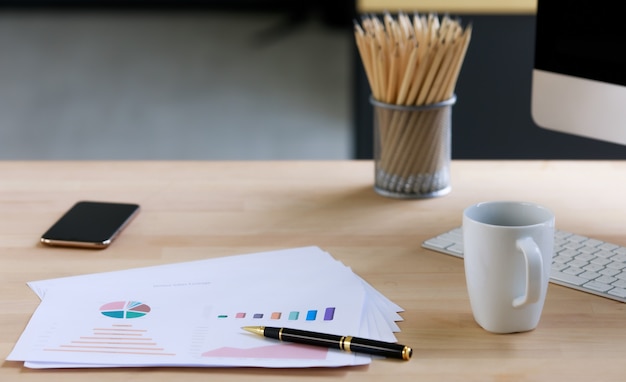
[548, 215]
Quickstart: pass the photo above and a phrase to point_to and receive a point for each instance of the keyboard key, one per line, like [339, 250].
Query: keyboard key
[621, 275]
[600, 261]
[439, 243]
[560, 266]
[573, 271]
[573, 245]
[585, 257]
[562, 234]
[604, 253]
[561, 259]
[609, 272]
[621, 257]
[598, 286]
[589, 275]
[569, 253]
[619, 292]
[616, 265]
[577, 263]
[456, 249]
[593, 267]
[608, 247]
[567, 278]
[588, 250]
[451, 237]
[606, 279]
[577, 238]
[620, 284]
[593, 243]
[620, 250]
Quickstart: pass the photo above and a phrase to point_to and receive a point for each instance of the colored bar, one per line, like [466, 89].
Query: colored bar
[311, 315]
[258, 315]
[240, 315]
[329, 314]
[294, 315]
[276, 316]
[222, 316]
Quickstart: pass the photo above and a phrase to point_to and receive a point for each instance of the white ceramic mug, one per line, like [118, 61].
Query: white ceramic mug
[508, 249]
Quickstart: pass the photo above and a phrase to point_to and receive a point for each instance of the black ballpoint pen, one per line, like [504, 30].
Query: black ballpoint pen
[345, 343]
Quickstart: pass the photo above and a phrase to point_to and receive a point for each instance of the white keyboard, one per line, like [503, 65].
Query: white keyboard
[579, 262]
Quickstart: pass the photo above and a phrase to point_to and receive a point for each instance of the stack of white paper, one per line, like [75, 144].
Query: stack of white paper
[191, 314]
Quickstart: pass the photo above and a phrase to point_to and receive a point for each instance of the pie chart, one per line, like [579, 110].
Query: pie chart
[125, 309]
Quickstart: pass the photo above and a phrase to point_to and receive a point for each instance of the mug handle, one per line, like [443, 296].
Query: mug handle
[534, 271]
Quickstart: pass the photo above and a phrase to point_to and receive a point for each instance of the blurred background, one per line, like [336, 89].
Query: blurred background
[175, 80]
[244, 80]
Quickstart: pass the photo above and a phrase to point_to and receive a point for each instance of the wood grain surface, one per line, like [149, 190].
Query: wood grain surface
[198, 210]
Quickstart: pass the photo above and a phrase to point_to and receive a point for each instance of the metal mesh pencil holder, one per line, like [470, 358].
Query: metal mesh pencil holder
[412, 149]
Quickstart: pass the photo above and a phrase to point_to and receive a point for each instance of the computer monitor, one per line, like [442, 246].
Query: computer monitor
[579, 75]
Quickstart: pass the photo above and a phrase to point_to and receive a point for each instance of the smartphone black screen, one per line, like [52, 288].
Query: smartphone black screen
[90, 224]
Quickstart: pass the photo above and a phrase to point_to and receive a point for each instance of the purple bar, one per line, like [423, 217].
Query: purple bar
[257, 315]
[329, 314]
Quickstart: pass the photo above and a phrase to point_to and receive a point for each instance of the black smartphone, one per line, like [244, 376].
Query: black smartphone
[90, 224]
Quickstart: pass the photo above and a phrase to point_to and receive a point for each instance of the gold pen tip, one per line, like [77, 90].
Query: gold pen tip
[254, 329]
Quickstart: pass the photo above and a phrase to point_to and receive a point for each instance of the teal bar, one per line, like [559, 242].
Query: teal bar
[294, 316]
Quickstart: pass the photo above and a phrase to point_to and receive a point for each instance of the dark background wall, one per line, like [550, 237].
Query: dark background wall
[491, 119]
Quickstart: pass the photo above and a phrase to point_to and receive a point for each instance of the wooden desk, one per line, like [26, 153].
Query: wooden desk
[196, 210]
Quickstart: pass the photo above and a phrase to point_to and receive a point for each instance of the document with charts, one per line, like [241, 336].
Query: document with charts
[191, 314]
